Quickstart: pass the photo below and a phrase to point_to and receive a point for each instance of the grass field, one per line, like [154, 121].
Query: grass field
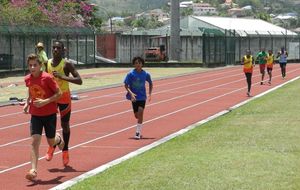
[253, 147]
[93, 81]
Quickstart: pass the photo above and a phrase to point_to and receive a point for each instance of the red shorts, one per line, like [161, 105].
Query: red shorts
[262, 68]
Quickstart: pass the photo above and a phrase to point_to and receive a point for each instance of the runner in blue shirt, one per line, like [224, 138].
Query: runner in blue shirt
[135, 82]
[282, 55]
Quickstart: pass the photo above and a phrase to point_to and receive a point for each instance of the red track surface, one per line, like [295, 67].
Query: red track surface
[103, 124]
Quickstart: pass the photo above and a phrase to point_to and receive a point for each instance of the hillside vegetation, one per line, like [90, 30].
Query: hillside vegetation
[129, 6]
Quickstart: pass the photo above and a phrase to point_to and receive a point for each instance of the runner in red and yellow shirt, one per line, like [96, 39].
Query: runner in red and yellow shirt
[270, 63]
[248, 62]
[61, 69]
[262, 60]
[43, 92]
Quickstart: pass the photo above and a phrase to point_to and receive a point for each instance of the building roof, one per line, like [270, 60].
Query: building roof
[197, 25]
[244, 26]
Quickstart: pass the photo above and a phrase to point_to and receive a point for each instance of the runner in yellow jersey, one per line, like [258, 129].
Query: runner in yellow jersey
[270, 63]
[61, 69]
[248, 62]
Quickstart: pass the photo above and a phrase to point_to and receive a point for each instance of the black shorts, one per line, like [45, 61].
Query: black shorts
[137, 104]
[65, 112]
[37, 123]
[282, 64]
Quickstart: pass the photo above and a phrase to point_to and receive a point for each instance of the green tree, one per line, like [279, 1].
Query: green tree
[141, 22]
[186, 12]
[264, 16]
[153, 23]
[27, 15]
[44, 12]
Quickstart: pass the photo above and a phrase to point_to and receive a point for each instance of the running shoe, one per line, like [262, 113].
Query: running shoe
[137, 136]
[49, 154]
[65, 157]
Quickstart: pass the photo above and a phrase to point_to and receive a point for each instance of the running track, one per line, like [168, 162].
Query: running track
[103, 124]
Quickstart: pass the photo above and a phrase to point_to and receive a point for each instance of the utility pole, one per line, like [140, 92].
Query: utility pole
[109, 17]
[175, 45]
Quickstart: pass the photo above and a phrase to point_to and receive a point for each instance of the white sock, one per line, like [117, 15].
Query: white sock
[139, 128]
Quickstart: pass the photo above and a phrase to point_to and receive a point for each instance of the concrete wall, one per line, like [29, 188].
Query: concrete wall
[129, 46]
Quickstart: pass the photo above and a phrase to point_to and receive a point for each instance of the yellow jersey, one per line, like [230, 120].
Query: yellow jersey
[270, 61]
[63, 85]
[248, 64]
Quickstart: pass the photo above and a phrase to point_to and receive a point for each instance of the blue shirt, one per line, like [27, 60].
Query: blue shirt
[283, 57]
[136, 82]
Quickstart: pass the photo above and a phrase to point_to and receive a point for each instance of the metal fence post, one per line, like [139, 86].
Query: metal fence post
[204, 49]
[77, 49]
[10, 52]
[24, 56]
[86, 49]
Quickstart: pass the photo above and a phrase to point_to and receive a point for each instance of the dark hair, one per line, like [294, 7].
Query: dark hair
[140, 59]
[61, 43]
[33, 56]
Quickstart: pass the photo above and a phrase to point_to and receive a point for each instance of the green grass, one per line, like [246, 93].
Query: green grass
[20, 91]
[253, 147]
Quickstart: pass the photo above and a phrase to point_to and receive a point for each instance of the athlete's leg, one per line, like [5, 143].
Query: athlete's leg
[249, 82]
[36, 128]
[284, 69]
[35, 144]
[65, 114]
[138, 108]
[262, 71]
[270, 74]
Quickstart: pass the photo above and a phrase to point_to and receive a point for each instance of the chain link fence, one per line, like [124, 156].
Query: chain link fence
[19, 41]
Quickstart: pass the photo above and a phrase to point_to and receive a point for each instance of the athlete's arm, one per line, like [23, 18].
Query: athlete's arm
[150, 91]
[243, 60]
[70, 68]
[42, 102]
[26, 106]
[133, 95]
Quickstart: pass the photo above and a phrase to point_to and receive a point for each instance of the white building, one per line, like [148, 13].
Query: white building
[203, 9]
